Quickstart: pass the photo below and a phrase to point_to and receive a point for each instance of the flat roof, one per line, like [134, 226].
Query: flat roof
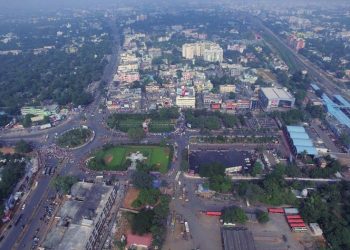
[237, 239]
[309, 150]
[342, 100]
[315, 87]
[295, 129]
[334, 110]
[276, 93]
[298, 135]
[303, 142]
[82, 212]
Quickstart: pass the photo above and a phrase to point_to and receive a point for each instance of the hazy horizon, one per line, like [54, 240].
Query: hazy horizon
[19, 5]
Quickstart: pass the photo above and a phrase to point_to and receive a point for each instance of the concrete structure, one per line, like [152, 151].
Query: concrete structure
[237, 239]
[315, 229]
[186, 97]
[275, 97]
[81, 218]
[208, 51]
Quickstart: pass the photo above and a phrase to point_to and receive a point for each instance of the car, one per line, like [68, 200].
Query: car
[23, 206]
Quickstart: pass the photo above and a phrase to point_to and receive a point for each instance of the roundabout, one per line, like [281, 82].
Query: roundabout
[75, 138]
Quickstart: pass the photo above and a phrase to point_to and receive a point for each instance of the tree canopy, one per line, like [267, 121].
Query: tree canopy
[63, 184]
[23, 147]
[234, 215]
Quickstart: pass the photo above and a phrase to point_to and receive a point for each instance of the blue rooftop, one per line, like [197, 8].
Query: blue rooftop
[342, 100]
[295, 129]
[334, 109]
[309, 150]
[315, 87]
[303, 142]
[298, 135]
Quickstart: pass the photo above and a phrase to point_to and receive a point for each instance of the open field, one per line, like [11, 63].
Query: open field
[131, 195]
[115, 158]
[156, 125]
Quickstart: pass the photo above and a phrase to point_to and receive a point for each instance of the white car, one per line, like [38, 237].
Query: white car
[23, 206]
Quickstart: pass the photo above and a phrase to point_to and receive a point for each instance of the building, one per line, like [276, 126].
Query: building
[155, 52]
[237, 238]
[138, 242]
[40, 111]
[315, 229]
[272, 97]
[81, 219]
[227, 88]
[186, 97]
[300, 141]
[212, 101]
[339, 109]
[208, 51]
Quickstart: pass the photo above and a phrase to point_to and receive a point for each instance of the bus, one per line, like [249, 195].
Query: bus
[290, 221]
[293, 217]
[177, 175]
[292, 225]
[275, 210]
[299, 229]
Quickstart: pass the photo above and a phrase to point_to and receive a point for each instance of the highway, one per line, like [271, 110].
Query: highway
[31, 223]
[319, 76]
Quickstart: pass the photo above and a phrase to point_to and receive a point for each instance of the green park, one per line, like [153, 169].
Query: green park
[74, 138]
[115, 158]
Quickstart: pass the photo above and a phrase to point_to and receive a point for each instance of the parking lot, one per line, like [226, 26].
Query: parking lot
[276, 234]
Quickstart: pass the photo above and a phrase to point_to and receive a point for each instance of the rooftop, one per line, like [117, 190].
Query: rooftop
[237, 239]
[301, 140]
[295, 129]
[78, 216]
[335, 109]
[276, 93]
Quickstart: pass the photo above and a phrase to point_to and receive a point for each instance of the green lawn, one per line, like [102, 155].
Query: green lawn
[114, 158]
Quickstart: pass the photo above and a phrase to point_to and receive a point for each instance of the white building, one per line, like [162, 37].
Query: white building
[186, 97]
[210, 52]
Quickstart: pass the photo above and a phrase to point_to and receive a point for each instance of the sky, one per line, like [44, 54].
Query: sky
[57, 4]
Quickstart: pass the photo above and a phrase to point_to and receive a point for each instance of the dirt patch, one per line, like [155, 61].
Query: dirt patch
[7, 150]
[108, 159]
[130, 196]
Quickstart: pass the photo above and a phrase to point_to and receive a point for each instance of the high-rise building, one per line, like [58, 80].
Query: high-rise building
[210, 52]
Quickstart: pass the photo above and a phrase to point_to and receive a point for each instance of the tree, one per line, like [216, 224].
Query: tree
[263, 217]
[27, 121]
[220, 183]
[142, 180]
[146, 197]
[23, 147]
[213, 169]
[63, 184]
[345, 139]
[136, 134]
[234, 215]
[257, 169]
[142, 222]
